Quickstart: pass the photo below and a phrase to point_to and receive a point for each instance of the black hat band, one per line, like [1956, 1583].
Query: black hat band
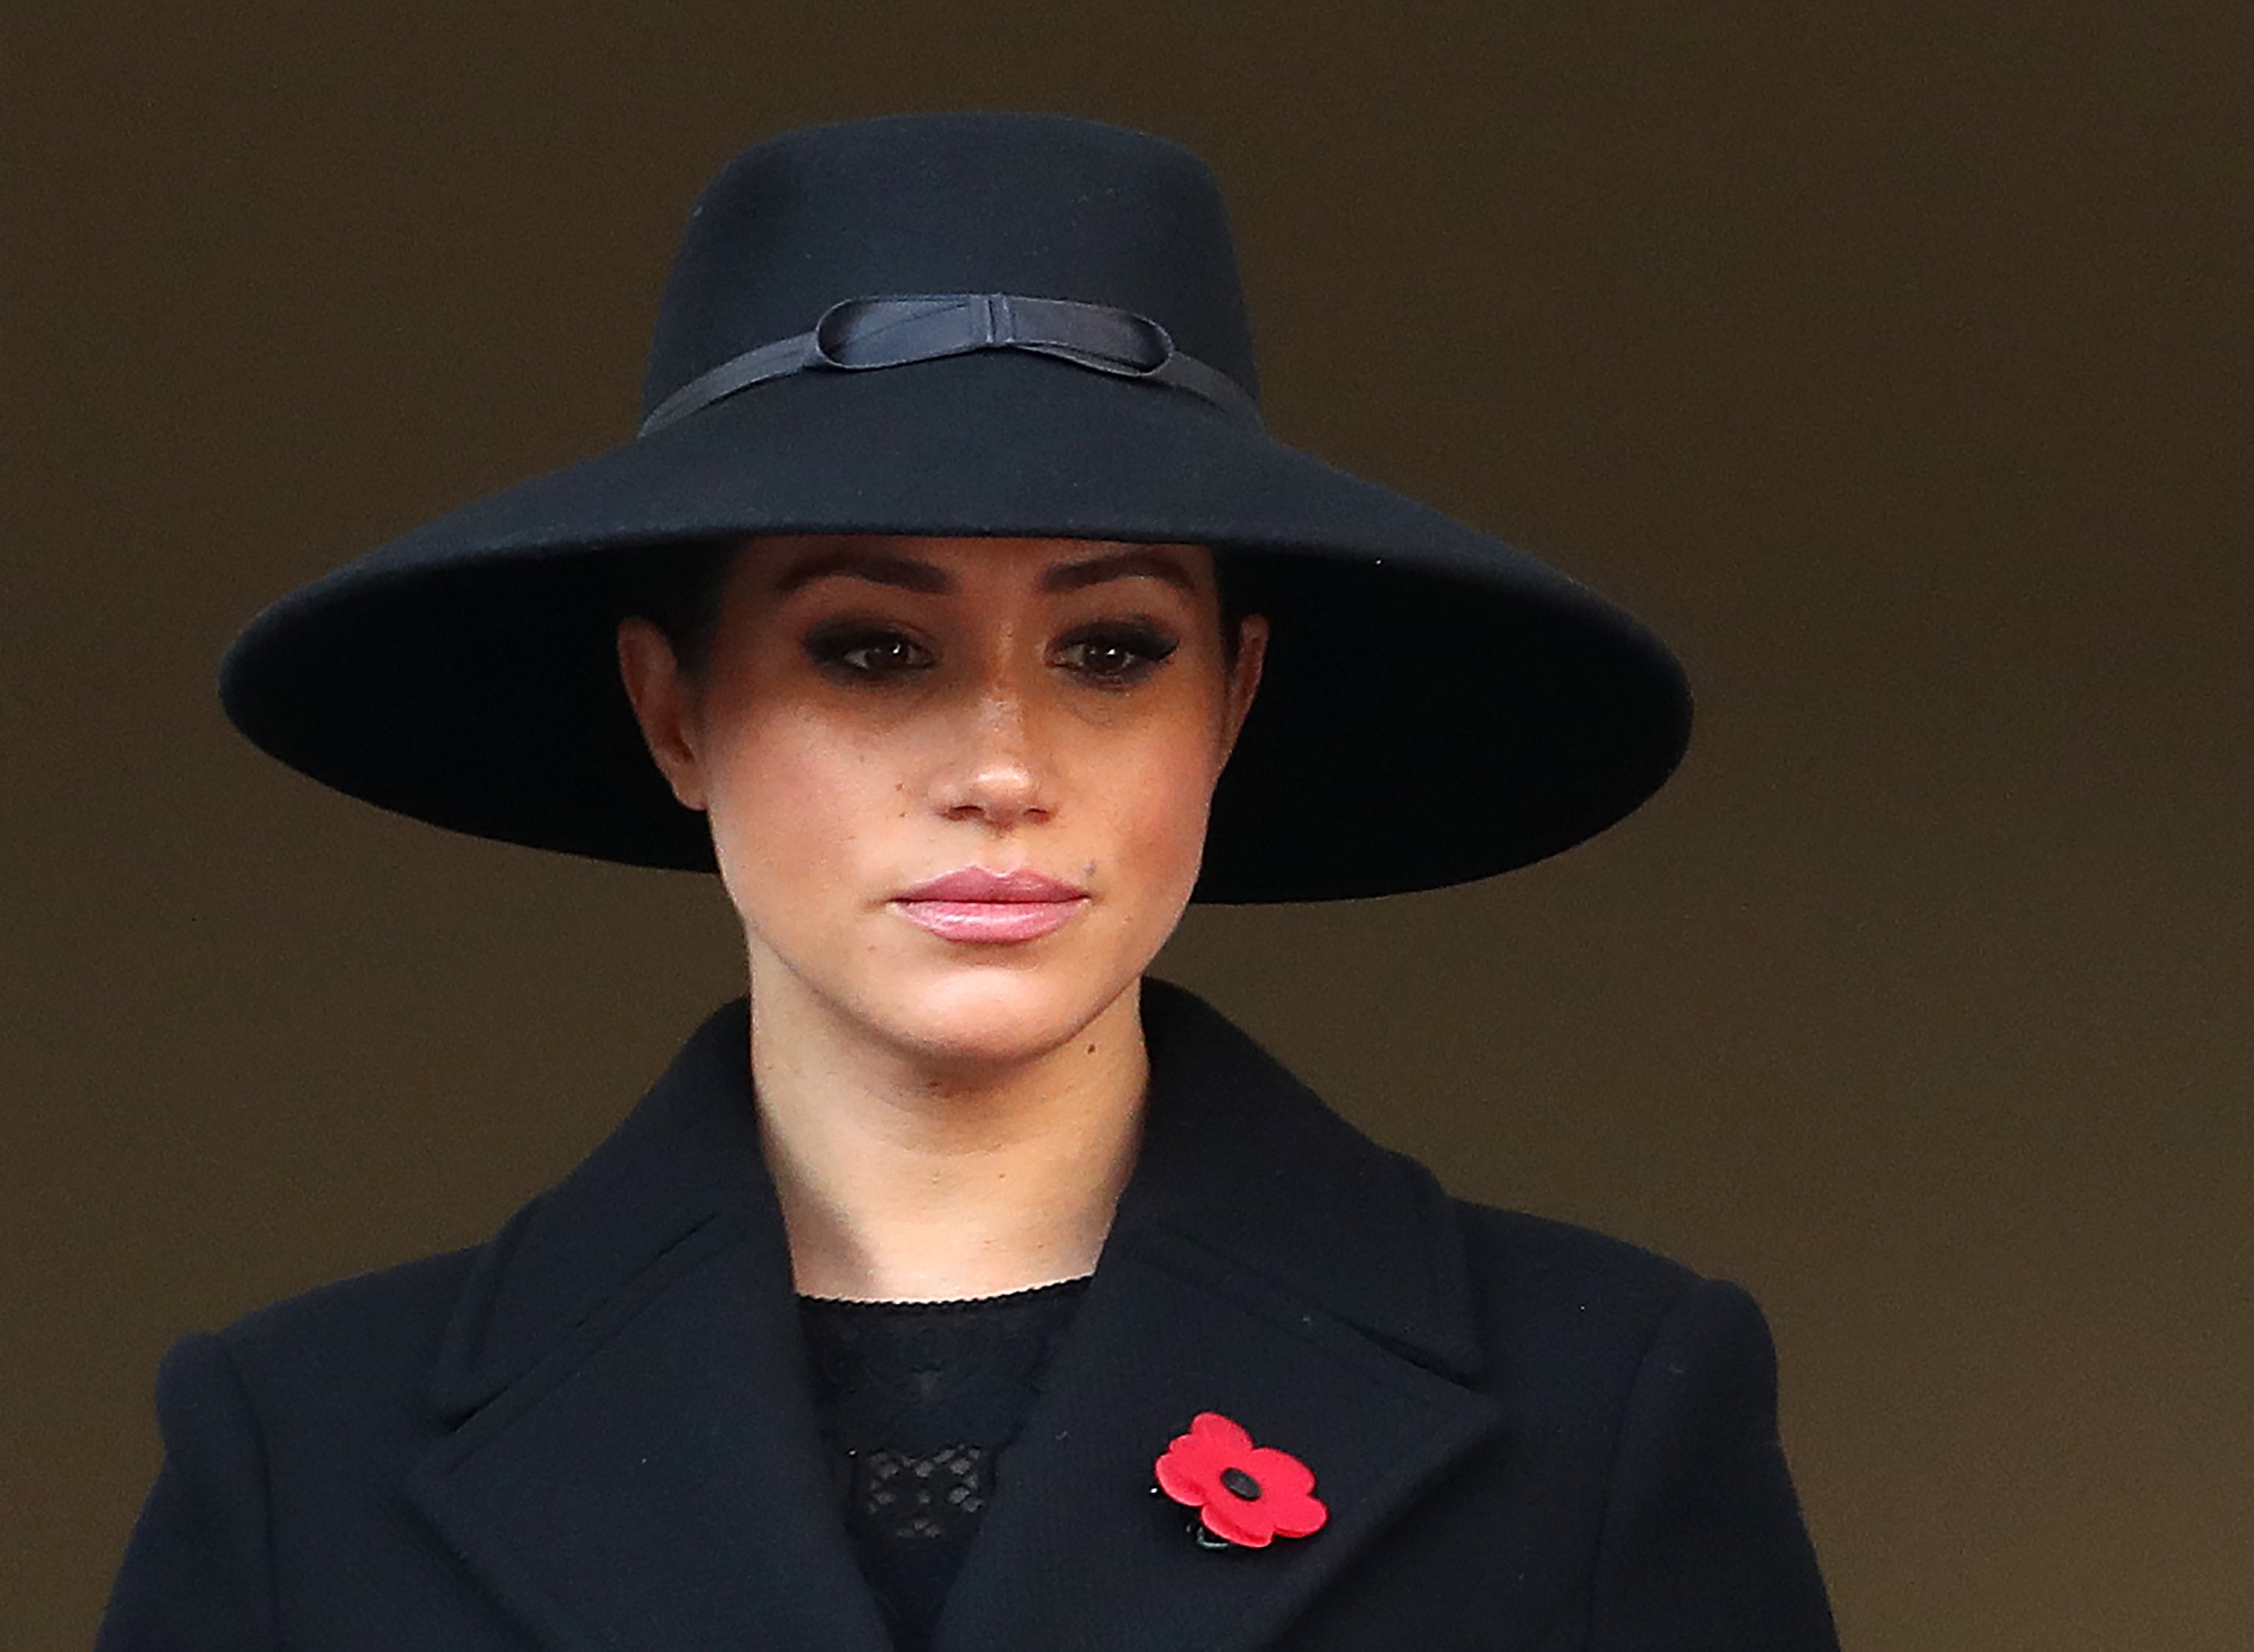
[862, 333]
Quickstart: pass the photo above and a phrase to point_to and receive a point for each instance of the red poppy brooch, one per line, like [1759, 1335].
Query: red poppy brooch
[1245, 1495]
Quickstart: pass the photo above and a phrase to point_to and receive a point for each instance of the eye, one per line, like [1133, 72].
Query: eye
[868, 653]
[1116, 656]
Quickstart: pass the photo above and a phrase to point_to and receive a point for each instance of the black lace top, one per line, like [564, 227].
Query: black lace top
[916, 1401]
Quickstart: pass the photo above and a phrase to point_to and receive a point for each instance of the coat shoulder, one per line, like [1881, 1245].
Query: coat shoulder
[373, 1331]
[1561, 1305]
[1541, 1259]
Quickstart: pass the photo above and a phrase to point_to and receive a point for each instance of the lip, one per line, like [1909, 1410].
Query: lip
[1002, 888]
[975, 905]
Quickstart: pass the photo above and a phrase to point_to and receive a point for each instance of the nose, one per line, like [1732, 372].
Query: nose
[997, 773]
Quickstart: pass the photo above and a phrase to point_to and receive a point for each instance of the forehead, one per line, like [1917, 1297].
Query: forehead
[934, 566]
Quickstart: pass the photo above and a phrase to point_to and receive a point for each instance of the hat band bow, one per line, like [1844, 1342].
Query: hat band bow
[863, 333]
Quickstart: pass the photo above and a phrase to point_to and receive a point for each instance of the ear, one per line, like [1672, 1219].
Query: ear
[665, 706]
[1245, 677]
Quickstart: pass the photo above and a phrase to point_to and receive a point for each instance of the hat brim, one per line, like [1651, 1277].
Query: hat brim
[1437, 706]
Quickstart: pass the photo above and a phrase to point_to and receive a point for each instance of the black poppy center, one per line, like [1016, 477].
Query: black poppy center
[1240, 1484]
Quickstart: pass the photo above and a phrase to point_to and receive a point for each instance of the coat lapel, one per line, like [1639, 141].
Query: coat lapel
[635, 1464]
[1267, 1262]
[637, 1467]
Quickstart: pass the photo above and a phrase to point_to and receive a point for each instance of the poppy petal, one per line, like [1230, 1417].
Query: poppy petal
[1182, 1481]
[1300, 1516]
[1216, 1431]
[1280, 1473]
[1226, 1517]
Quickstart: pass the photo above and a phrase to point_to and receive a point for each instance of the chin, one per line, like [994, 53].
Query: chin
[980, 1014]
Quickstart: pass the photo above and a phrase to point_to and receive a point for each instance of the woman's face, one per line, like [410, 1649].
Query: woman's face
[957, 788]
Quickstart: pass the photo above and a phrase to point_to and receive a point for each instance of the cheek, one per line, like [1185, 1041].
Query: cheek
[1155, 791]
[792, 803]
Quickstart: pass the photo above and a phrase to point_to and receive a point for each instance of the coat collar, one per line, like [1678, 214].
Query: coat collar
[635, 1463]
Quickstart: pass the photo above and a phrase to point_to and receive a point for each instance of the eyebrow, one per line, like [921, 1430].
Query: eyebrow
[908, 573]
[1125, 564]
[879, 567]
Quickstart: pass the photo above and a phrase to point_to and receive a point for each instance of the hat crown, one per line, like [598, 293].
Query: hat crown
[1043, 205]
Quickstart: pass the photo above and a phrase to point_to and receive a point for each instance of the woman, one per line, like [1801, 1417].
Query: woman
[904, 611]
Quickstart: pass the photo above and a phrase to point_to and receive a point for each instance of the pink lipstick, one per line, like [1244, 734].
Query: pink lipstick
[975, 904]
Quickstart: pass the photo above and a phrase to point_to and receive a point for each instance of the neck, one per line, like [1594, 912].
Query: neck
[901, 1179]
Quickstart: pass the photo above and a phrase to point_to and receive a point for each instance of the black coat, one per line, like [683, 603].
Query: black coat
[594, 1431]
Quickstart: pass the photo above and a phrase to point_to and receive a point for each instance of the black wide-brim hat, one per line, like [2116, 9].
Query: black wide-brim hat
[976, 324]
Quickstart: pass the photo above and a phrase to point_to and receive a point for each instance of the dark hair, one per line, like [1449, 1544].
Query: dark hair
[677, 588]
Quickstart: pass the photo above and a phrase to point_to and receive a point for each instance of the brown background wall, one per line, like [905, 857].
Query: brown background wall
[1891, 360]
